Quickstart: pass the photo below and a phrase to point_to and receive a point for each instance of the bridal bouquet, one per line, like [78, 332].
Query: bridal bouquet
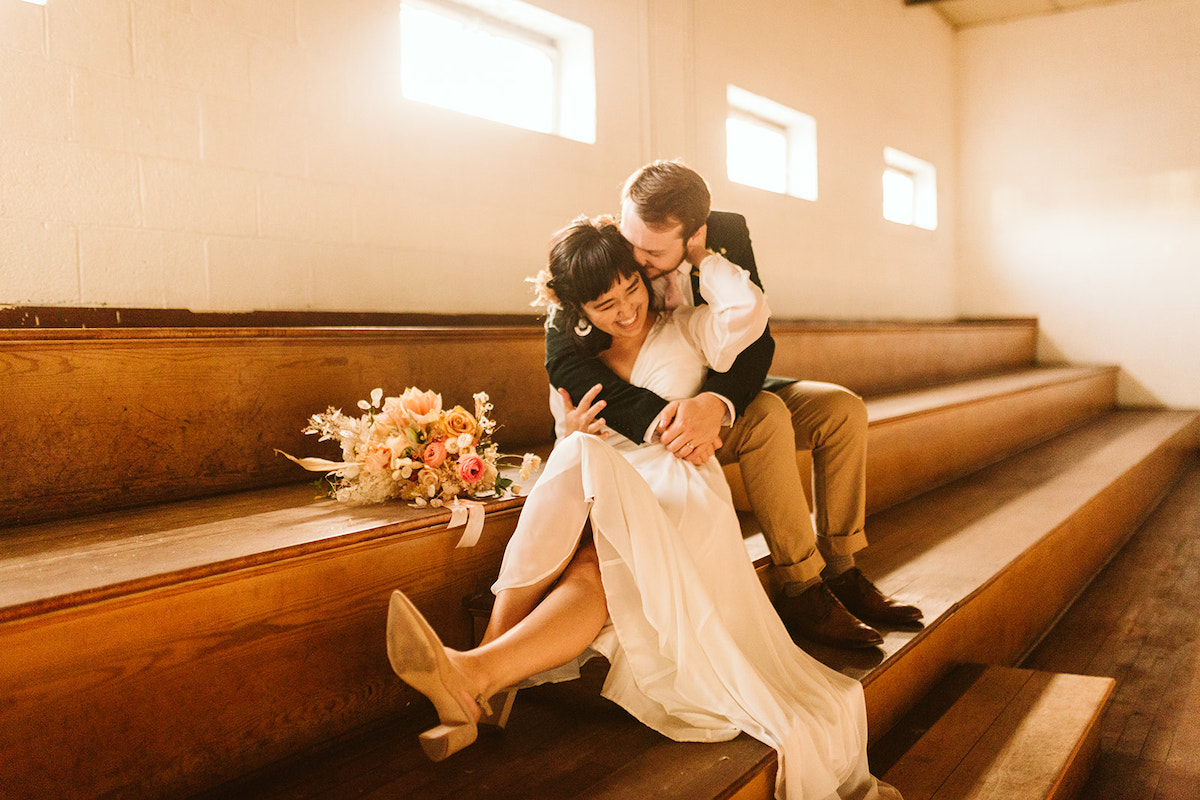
[410, 447]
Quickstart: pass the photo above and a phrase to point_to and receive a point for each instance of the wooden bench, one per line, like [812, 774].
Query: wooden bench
[132, 417]
[175, 588]
[139, 416]
[169, 586]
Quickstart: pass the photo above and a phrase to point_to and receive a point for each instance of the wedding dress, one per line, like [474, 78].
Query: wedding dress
[695, 647]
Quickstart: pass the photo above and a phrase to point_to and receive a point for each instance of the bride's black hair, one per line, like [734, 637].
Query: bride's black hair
[587, 258]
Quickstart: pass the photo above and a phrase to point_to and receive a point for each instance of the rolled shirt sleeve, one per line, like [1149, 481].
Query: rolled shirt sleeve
[735, 317]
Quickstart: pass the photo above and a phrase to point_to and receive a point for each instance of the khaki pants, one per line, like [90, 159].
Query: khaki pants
[829, 420]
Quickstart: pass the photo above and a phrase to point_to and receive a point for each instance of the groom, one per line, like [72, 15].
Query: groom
[745, 416]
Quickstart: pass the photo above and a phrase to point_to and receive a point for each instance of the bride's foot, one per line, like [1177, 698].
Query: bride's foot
[419, 658]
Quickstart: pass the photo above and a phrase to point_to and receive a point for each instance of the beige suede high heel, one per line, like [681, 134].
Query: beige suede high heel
[419, 658]
[498, 717]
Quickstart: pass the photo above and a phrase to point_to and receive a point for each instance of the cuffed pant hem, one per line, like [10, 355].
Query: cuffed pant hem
[803, 574]
[843, 544]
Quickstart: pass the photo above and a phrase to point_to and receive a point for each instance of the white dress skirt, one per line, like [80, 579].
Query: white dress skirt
[696, 650]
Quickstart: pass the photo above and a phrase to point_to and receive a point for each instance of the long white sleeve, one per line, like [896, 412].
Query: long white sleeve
[734, 318]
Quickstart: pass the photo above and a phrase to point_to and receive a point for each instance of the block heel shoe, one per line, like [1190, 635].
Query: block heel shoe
[419, 658]
[502, 704]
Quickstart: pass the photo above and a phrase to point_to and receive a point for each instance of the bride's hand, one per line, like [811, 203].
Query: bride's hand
[583, 417]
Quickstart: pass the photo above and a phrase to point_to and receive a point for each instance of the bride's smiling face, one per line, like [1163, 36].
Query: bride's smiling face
[622, 310]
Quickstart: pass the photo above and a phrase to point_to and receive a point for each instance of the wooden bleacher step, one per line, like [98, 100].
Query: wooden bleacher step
[994, 558]
[921, 438]
[924, 438]
[564, 741]
[997, 732]
[163, 650]
[983, 732]
[968, 550]
[1104, 451]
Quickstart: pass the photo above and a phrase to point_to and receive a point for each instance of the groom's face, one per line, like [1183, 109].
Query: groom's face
[658, 251]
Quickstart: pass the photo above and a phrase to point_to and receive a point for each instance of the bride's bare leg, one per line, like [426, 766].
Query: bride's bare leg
[554, 631]
[514, 605]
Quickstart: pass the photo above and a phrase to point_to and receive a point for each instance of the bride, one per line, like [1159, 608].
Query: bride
[626, 551]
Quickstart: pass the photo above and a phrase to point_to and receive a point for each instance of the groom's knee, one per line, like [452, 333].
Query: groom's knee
[766, 422]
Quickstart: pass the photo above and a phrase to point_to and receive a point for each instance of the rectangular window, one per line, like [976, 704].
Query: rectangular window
[770, 146]
[757, 152]
[898, 195]
[909, 190]
[511, 63]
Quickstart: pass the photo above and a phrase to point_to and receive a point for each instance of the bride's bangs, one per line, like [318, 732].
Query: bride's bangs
[600, 269]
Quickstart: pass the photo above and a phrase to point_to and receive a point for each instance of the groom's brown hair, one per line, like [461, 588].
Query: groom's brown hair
[668, 193]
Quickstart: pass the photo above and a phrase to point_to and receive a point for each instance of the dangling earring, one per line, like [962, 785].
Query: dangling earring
[582, 327]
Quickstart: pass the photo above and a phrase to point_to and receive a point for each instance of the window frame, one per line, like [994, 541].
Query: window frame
[923, 176]
[568, 45]
[800, 137]
[739, 115]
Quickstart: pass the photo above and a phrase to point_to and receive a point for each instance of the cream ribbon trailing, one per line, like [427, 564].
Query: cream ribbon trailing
[469, 513]
[462, 512]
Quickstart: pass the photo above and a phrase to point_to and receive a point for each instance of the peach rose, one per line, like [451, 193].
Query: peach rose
[471, 468]
[529, 463]
[459, 421]
[434, 454]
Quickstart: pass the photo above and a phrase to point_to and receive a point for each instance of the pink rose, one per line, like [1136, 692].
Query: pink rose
[421, 407]
[470, 469]
[435, 453]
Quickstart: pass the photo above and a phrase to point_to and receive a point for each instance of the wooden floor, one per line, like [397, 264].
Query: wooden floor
[1139, 622]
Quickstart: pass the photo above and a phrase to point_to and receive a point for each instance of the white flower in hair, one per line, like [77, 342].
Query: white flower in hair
[545, 295]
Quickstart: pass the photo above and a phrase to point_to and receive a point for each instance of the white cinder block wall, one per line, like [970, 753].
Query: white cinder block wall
[1080, 187]
[223, 155]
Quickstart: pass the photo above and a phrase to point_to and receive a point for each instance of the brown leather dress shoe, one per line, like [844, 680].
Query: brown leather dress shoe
[817, 615]
[862, 599]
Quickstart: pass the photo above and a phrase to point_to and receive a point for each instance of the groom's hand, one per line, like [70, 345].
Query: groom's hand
[695, 247]
[690, 428]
